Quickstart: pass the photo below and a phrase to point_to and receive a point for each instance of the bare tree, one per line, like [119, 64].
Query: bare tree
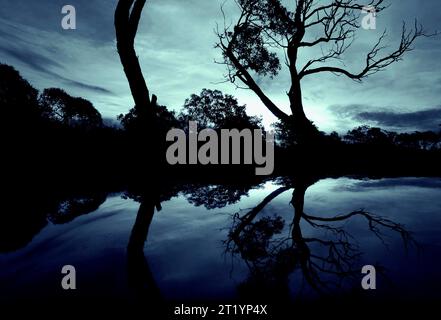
[264, 27]
[127, 16]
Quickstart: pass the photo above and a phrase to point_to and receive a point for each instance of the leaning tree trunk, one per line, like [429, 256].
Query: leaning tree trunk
[127, 17]
[126, 26]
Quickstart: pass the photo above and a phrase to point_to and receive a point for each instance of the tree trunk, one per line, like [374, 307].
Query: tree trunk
[305, 131]
[303, 128]
[126, 26]
[135, 77]
[295, 99]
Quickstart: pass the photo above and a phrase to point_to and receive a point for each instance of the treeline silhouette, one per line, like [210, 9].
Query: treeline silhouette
[363, 150]
[51, 134]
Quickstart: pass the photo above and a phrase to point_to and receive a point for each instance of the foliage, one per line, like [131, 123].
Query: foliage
[213, 109]
[60, 107]
[18, 98]
[133, 122]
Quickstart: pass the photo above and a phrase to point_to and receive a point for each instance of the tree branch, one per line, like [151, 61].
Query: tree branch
[135, 16]
[374, 64]
[236, 69]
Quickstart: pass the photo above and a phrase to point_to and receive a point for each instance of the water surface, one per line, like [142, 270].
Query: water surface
[192, 252]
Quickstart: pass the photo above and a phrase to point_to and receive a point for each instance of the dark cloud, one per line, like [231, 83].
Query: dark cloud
[427, 119]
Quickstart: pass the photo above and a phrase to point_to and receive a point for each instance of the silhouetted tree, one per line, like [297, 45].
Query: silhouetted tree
[334, 137]
[213, 109]
[250, 45]
[287, 135]
[369, 135]
[365, 135]
[132, 122]
[18, 99]
[60, 107]
[427, 140]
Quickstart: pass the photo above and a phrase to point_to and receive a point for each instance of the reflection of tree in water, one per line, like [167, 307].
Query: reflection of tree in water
[140, 278]
[326, 263]
[24, 221]
[139, 275]
[216, 196]
[71, 207]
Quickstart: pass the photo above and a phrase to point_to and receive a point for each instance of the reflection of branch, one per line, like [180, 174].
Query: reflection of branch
[248, 217]
[373, 220]
[339, 260]
[271, 258]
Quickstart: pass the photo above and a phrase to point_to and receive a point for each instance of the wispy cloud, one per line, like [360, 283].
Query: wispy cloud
[32, 59]
[43, 64]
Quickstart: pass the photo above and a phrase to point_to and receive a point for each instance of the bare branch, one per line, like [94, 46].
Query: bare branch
[345, 4]
[373, 63]
[135, 16]
[374, 222]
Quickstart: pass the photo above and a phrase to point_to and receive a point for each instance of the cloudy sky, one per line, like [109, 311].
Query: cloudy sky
[175, 45]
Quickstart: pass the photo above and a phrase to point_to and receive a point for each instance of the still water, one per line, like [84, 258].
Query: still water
[209, 243]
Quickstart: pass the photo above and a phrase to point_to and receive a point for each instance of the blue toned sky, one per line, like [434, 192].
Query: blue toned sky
[175, 45]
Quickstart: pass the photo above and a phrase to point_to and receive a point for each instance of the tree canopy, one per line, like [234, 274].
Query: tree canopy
[18, 99]
[60, 107]
[213, 109]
